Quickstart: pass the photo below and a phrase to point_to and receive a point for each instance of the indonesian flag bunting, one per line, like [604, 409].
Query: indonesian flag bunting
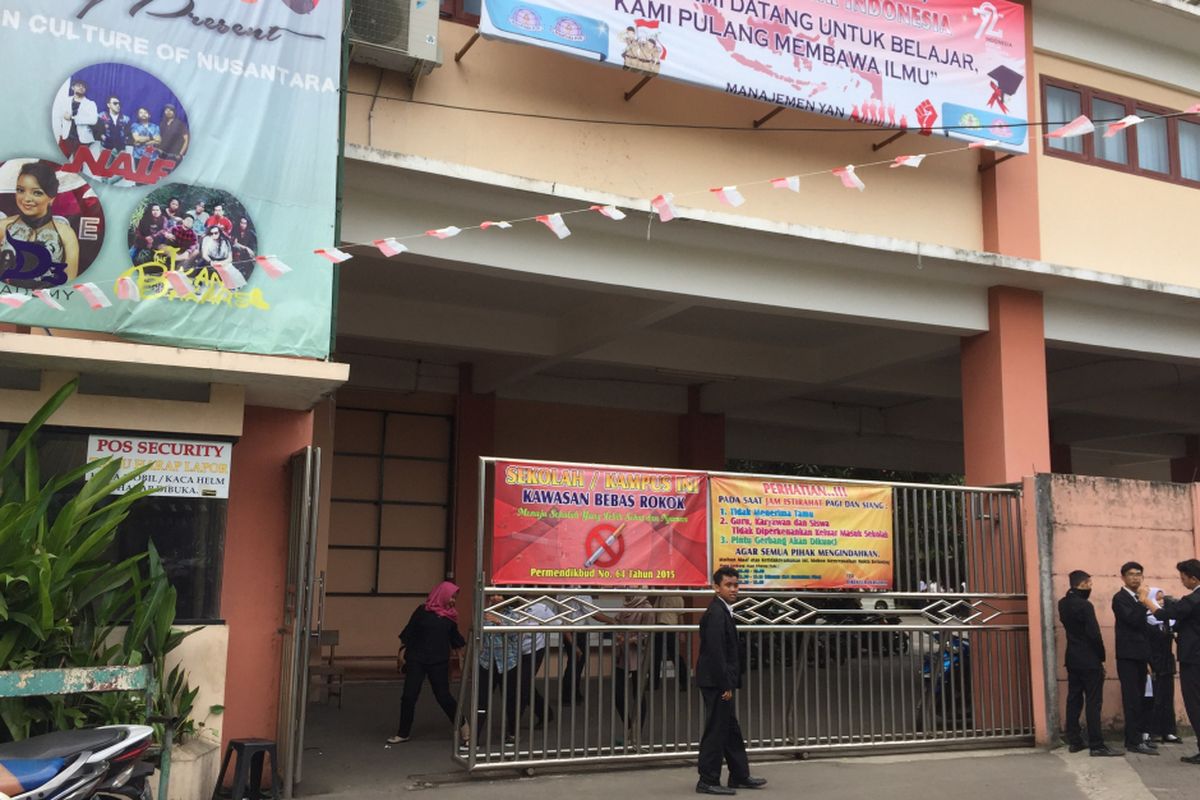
[502, 225]
[127, 289]
[333, 255]
[182, 284]
[444, 233]
[849, 179]
[14, 300]
[651, 24]
[665, 207]
[1125, 122]
[791, 182]
[272, 266]
[95, 296]
[612, 212]
[231, 276]
[390, 247]
[1080, 126]
[908, 161]
[44, 296]
[555, 223]
[729, 195]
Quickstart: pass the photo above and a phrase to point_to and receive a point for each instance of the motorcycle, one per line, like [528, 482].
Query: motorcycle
[105, 763]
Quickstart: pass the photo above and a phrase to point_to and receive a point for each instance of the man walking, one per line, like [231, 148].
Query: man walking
[1133, 657]
[1085, 665]
[718, 674]
[1186, 613]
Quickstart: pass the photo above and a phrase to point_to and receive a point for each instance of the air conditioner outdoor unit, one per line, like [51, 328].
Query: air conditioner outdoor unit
[396, 34]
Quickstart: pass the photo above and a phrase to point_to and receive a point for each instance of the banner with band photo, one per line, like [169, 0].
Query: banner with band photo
[168, 168]
[562, 524]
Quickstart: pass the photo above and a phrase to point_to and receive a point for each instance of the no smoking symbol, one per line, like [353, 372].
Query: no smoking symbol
[597, 542]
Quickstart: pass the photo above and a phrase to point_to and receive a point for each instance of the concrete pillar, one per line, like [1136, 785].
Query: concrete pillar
[1006, 429]
[701, 436]
[474, 436]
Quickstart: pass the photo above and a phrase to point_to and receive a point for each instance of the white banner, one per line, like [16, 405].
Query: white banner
[180, 468]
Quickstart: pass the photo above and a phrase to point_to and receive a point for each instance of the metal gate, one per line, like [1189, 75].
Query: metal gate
[570, 677]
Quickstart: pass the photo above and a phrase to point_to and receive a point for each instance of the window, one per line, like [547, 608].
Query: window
[465, 11]
[1163, 148]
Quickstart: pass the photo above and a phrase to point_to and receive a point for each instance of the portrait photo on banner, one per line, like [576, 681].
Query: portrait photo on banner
[191, 229]
[120, 124]
[51, 224]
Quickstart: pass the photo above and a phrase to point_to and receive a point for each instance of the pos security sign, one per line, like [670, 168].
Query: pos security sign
[177, 468]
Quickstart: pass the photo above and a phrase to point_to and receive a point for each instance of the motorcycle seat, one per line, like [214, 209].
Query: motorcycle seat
[61, 744]
[24, 775]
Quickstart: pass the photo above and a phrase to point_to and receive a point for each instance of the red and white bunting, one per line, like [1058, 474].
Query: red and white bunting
[1124, 122]
[44, 296]
[390, 247]
[127, 289]
[791, 183]
[272, 265]
[849, 179]
[665, 206]
[444, 233]
[181, 283]
[502, 225]
[95, 296]
[14, 300]
[1080, 126]
[231, 277]
[729, 195]
[555, 223]
[612, 212]
[333, 255]
[908, 161]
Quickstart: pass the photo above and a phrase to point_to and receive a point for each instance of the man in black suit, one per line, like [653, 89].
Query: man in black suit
[1085, 665]
[1133, 657]
[1186, 613]
[718, 674]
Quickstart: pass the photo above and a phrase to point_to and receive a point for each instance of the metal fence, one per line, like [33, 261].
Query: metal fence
[567, 677]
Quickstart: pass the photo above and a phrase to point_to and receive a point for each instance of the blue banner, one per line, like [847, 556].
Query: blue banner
[167, 168]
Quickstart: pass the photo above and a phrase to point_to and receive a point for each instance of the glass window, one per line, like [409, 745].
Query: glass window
[1152, 150]
[472, 7]
[1116, 148]
[1062, 106]
[1189, 150]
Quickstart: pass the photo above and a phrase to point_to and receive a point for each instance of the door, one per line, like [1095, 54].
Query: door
[298, 613]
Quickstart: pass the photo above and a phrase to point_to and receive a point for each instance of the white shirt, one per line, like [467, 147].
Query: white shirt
[530, 644]
[727, 606]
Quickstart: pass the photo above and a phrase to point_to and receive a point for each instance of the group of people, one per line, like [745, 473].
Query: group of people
[199, 237]
[80, 122]
[1148, 625]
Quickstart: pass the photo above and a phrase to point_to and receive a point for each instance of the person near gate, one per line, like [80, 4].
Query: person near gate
[431, 633]
[1186, 613]
[1085, 665]
[1159, 709]
[1133, 657]
[718, 674]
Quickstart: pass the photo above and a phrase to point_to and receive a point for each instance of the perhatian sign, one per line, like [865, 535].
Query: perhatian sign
[178, 468]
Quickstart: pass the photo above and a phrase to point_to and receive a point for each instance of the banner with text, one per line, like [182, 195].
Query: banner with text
[791, 534]
[894, 63]
[153, 151]
[177, 468]
[561, 524]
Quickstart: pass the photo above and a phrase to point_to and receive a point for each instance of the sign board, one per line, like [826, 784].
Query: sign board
[917, 64]
[556, 525]
[791, 534]
[153, 151]
[180, 468]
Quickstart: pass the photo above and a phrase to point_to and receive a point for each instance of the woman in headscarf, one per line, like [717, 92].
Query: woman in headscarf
[1159, 711]
[432, 632]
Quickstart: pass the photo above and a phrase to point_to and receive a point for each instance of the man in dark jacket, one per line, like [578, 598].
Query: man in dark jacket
[1085, 665]
[1133, 657]
[1186, 613]
[718, 674]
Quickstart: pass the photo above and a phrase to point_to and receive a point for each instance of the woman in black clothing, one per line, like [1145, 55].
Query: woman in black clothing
[431, 633]
[1159, 710]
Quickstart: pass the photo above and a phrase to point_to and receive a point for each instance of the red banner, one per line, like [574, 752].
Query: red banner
[560, 524]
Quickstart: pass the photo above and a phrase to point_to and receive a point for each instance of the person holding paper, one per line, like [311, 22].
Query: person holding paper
[1186, 613]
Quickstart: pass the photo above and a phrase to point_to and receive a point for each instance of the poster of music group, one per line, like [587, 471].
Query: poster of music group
[557, 524]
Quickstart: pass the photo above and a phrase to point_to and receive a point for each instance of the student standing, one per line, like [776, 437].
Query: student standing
[1159, 710]
[1133, 656]
[1186, 613]
[1085, 665]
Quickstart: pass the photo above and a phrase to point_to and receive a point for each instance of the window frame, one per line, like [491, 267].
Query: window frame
[1174, 173]
[453, 11]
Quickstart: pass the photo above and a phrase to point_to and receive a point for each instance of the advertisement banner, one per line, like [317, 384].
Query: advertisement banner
[557, 525]
[915, 64]
[790, 534]
[153, 151]
[178, 468]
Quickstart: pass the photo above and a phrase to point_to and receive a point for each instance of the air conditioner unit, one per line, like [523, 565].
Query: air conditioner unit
[401, 35]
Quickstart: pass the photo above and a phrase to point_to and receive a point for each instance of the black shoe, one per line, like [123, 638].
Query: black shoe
[712, 788]
[747, 783]
[1075, 748]
[1103, 752]
[1191, 759]
[1150, 743]
[1142, 748]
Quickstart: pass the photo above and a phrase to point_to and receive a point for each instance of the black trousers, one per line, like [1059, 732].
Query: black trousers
[665, 649]
[1189, 684]
[492, 679]
[575, 665]
[1085, 692]
[622, 678]
[529, 666]
[415, 674]
[1132, 674]
[722, 739]
[1158, 712]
